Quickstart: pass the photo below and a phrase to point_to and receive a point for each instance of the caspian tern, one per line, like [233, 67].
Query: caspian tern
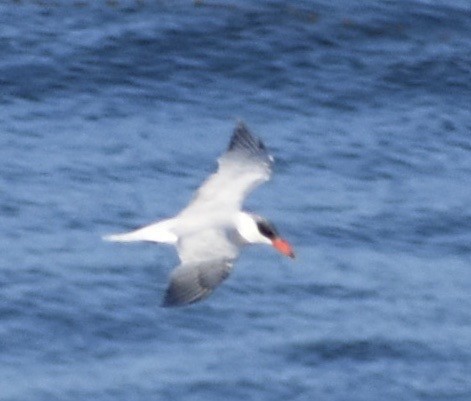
[211, 230]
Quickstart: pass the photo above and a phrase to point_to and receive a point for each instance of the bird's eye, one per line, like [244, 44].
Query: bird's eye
[266, 230]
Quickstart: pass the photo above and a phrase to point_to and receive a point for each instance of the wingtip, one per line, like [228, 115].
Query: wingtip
[241, 132]
[241, 125]
[242, 139]
[172, 299]
[171, 302]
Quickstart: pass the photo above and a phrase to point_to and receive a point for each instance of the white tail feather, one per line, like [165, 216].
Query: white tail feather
[126, 237]
[157, 232]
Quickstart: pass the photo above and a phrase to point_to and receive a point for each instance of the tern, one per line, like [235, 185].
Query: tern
[210, 232]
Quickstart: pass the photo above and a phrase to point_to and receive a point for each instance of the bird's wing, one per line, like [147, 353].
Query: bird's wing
[206, 259]
[192, 282]
[207, 244]
[244, 166]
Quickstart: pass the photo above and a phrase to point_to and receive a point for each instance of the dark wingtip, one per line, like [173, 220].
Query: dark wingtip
[240, 135]
[171, 300]
[244, 141]
[172, 303]
[174, 297]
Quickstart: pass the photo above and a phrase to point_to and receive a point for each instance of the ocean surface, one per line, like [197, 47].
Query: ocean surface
[111, 115]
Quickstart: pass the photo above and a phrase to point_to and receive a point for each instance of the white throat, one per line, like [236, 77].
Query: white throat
[248, 230]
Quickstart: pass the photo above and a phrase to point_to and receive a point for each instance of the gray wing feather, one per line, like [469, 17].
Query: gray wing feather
[192, 282]
[244, 166]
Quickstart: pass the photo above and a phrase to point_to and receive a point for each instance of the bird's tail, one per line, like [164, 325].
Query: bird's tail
[157, 232]
[124, 237]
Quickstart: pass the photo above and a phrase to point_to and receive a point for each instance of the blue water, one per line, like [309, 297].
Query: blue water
[112, 113]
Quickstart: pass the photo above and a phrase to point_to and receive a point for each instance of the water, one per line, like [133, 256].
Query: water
[111, 115]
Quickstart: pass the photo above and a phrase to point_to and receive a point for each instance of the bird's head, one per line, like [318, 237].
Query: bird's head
[255, 229]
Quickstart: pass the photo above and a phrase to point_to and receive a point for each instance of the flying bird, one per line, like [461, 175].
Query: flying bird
[210, 232]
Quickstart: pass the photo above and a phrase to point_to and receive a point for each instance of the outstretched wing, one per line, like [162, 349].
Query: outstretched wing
[244, 166]
[192, 282]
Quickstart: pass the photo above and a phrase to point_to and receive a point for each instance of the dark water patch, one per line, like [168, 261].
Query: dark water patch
[368, 350]
[9, 210]
[333, 291]
[355, 233]
[428, 229]
[431, 74]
